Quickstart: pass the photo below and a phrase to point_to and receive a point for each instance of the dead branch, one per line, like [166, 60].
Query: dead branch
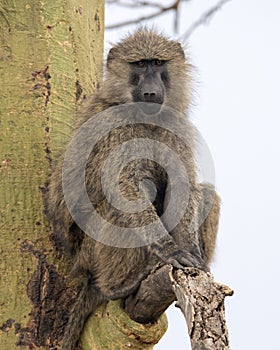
[133, 4]
[200, 299]
[202, 302]
[203, 19]
[160, 11]
[174, 7]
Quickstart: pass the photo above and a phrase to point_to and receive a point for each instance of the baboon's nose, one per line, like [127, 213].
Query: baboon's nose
[150, 96]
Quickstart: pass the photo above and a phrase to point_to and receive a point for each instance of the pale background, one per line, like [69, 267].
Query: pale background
[237, 56]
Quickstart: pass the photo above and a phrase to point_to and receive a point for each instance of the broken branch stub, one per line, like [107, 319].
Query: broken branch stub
[202, 302]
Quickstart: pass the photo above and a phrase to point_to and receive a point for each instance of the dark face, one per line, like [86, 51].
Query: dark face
[150, 78]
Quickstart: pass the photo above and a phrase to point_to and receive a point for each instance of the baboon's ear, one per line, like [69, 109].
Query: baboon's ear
[180, 49]
[111, 55]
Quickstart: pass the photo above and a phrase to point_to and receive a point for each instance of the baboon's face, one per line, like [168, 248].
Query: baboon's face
[150, 80]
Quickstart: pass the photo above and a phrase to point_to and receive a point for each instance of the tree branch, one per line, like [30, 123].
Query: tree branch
[133, 4]
[202, 302]
[162, 9]
[203, 19]
[200, 299]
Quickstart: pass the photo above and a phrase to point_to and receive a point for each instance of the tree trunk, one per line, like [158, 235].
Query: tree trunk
[51, 56]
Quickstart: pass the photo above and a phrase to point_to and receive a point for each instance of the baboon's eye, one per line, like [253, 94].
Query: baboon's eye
[159, 62]
[141, 64]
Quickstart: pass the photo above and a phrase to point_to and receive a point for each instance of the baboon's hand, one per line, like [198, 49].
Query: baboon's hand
[169, 252]
[184, 259]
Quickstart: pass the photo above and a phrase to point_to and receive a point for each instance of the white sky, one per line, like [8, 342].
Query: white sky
[237, 56]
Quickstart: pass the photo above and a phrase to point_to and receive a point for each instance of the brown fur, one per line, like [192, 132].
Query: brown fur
[107, 272]
[116, 88]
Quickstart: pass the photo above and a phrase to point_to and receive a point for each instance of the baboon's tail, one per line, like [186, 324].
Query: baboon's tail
[88, 300]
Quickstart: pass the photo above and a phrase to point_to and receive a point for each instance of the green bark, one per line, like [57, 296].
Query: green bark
[49, 51]
[110, 328]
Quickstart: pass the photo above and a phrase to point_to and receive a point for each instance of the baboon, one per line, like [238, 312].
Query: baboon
[146, 68]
